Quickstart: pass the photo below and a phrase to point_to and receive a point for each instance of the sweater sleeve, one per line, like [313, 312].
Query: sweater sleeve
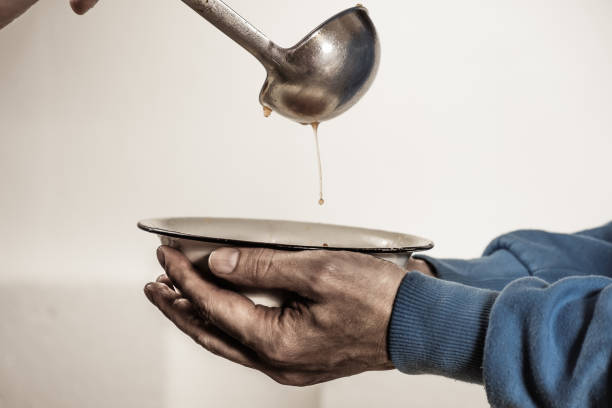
[550, 345]
[438, 327]
[530, 320]
[534, 344]
[548, 256]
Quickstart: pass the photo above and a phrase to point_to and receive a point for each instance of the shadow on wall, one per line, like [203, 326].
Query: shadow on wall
[79, 347]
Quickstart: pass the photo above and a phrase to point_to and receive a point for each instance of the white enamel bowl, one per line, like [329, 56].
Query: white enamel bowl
[198, 237]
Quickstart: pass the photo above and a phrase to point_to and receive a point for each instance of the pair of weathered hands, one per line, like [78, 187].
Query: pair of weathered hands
[335, 327]
[11, 9]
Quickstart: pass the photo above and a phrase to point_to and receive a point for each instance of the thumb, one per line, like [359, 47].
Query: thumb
[265, 268]
[82, 6]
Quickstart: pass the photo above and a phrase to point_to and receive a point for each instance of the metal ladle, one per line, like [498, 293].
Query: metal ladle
[321, 76]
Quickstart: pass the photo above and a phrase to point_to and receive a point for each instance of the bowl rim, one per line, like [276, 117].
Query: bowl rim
[428, 244]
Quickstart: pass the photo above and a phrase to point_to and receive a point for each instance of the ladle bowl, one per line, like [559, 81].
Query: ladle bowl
[321, 76]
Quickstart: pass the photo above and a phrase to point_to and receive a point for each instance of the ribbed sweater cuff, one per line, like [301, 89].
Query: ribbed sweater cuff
[439, 327]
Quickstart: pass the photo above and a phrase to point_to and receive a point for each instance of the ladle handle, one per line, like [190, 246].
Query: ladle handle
[238, 29]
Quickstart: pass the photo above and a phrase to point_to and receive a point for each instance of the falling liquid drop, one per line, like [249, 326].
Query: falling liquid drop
[267, 111]
[315, 128]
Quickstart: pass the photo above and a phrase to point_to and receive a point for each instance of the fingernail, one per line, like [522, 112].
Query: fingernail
[161, 257]
[223, 260]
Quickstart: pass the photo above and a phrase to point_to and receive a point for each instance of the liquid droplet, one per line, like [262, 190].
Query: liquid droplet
[315, 129]
[267, 111]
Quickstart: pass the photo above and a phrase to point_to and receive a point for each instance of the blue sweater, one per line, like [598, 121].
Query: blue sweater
[531, 320]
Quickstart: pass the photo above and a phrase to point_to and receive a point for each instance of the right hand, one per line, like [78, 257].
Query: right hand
[335, 326]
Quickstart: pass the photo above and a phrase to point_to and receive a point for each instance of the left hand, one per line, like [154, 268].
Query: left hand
[335, 327]
[11, 9]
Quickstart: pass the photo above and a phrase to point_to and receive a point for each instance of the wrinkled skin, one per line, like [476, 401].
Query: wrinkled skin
[336, 325]
[11, 9]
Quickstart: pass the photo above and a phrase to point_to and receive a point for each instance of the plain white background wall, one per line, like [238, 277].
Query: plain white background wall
[486, 116]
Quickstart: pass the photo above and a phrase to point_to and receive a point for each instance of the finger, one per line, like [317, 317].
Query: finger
[233, 313]
[165, 280]
[182, 313]
[82, 6]
[10, 10]
[267, 268]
